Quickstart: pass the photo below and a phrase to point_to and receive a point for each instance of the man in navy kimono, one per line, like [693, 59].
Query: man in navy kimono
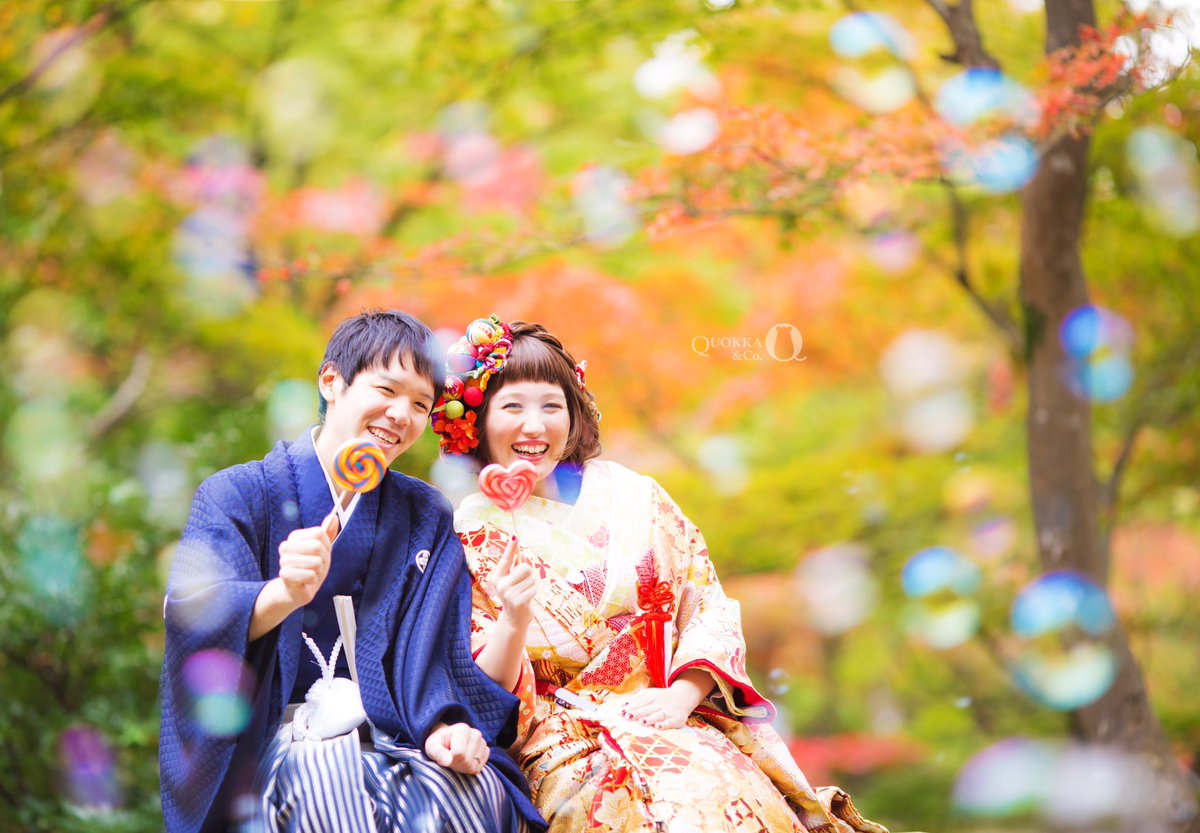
[261, 558]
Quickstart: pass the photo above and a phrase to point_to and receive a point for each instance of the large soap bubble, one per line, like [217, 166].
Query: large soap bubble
[941, 584]
[1063, 620]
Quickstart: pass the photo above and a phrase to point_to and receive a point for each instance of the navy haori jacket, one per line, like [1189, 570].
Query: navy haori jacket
[413, 652]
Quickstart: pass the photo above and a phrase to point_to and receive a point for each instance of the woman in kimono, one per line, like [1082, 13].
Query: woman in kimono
[607, 620]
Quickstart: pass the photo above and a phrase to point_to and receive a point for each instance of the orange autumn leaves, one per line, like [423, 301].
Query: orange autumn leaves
[787, 163]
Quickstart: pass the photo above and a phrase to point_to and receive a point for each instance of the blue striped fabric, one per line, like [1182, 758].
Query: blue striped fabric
[340, 786]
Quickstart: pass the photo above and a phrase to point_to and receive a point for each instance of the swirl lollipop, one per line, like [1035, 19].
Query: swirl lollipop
[359, 466]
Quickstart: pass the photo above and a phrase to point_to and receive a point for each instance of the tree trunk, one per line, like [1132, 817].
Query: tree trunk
[1064, 492]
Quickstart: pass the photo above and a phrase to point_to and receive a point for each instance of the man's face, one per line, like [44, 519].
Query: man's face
[388, 405]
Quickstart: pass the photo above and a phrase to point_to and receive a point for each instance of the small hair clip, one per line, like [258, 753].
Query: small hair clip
[580, 371]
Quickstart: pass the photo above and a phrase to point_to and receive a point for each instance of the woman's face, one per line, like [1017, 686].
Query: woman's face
[528, 421]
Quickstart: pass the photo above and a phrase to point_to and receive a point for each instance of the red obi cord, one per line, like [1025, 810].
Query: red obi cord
[657, 603]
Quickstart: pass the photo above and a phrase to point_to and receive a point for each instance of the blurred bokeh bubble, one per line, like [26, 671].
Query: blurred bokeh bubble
[969, 490]
[166, 482]
[1090, 786]
[863, 33]
[1097, 343]
[211, 243]
[676, 66]
[1065, 785]
[1102, 379]
[723, 458]
[942, 611]
[924, 371]
[1060, 600]
[893, 251]
[1006, 779]
[937, 422]
[454, 477]
[998, 166]
[921, 361]
[778, 682]
[1062, 620]
[51, 563]
[993, 538]
[219, 687]
[291, 408]
[45, 443]
[89, 770]
[980, 93]
[885, 91]
[601, 196]
[1089, 330]
[198, 601]
[837, 587]
[690, 131]
[1168, 181]
[939, 569]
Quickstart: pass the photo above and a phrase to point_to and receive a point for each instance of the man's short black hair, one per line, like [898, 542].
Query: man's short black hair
[371, 338]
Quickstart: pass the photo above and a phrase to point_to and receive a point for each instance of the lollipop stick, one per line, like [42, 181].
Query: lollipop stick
[343, 608]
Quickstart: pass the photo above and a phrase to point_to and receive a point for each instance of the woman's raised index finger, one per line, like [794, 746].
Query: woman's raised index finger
[508, 558]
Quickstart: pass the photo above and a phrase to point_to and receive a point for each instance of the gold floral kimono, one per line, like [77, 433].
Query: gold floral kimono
[627, 599]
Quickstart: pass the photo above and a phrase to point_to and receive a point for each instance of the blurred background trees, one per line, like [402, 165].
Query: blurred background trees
[788, 239]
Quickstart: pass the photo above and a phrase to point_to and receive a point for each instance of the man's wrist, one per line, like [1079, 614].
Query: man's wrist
[273, 605]
[276, 596]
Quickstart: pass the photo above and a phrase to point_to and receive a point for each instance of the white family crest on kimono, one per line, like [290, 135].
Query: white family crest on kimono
[627, 599]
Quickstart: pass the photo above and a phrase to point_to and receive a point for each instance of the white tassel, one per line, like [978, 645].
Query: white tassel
[332, 706]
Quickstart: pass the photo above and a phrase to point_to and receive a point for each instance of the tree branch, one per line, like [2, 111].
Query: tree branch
[123, 400]
[1187, 355]
[107, 15]
[9, 797]
[1112, 486]
[969, 50]
[1001, 320]
[942, 11]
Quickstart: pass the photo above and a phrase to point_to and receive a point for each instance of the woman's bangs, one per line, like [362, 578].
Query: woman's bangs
[533, 361]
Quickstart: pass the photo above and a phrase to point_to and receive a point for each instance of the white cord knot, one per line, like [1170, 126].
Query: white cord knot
[332, 706]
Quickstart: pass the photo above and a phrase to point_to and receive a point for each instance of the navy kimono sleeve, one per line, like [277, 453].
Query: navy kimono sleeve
[215, 578]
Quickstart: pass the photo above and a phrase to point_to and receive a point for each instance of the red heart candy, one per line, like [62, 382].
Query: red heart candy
[510, 487]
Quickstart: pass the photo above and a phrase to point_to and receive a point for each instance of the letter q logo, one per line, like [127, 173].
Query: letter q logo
[785, 344]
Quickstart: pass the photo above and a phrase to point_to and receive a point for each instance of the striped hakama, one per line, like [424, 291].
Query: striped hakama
[343, 786]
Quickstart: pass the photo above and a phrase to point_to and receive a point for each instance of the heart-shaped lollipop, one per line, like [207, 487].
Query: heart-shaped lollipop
[510, 487]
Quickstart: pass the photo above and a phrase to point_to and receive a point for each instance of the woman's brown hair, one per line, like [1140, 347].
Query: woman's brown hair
[538, 356]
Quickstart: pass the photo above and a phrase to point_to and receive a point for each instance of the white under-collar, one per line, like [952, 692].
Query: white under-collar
[343, 514]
